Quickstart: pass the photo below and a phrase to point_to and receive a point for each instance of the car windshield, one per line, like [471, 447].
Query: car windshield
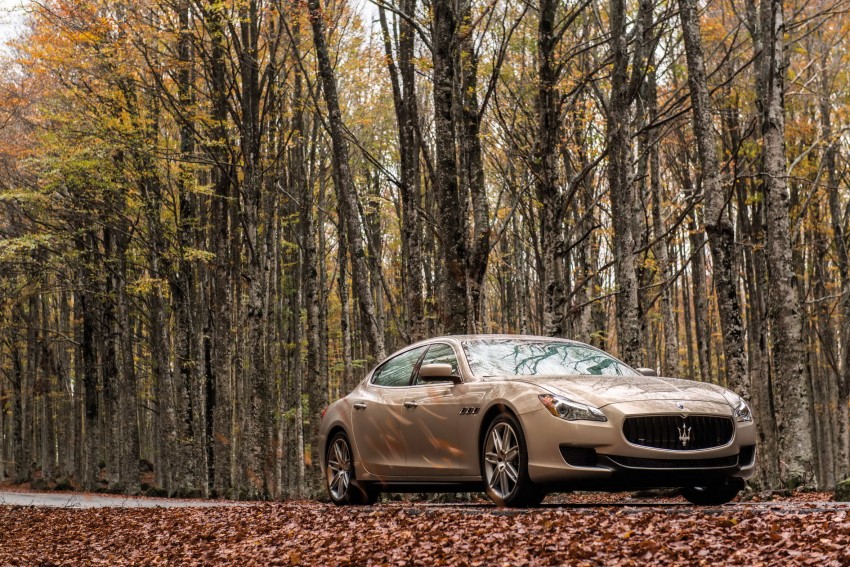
[512, 357]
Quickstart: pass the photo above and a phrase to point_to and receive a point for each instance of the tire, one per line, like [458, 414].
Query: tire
[343, 487]
[504, 465]
[714, 494]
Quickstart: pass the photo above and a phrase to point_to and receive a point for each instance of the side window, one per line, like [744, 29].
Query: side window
[439, 354]
[396, 371]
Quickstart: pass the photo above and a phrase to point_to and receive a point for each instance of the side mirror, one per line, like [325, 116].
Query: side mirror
[647, 371]
[438, 373]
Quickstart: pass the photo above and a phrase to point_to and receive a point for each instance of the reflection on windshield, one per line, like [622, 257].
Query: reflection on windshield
[510, 357]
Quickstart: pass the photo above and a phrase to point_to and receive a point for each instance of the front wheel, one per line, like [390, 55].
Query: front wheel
[504, 465]
[343, 488]
[714, 494]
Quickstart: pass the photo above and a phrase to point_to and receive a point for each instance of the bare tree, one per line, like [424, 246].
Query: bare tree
[784, 309]
[720, 231]
[454, 314]
[344, 183]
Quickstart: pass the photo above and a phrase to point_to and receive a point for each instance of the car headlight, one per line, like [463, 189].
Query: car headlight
[570, 410]
[740, 409]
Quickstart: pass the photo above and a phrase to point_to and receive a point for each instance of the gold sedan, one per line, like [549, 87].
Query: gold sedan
[522, 416]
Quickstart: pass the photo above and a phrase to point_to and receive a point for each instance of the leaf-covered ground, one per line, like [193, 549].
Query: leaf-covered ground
[582, 530]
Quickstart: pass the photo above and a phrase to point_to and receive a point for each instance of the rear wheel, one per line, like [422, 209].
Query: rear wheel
[504, 465]
[343, 488]
[714, 494]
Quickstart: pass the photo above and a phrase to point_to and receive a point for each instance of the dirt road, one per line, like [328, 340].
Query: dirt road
[88, 500]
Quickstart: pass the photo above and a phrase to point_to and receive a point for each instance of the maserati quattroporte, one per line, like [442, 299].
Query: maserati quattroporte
[520, 416]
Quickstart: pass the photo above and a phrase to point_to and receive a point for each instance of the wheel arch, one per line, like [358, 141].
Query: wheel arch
[334, 429]
[495, 409]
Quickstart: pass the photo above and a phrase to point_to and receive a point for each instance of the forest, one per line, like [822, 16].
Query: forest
[217, 215]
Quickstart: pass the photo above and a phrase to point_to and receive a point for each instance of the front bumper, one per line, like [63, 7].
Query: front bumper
[597, 454]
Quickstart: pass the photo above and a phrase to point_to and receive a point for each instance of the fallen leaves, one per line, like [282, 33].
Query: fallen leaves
[307, 533]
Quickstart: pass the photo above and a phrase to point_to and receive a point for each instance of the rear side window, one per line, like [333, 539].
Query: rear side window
[440, 353]
[396, 371]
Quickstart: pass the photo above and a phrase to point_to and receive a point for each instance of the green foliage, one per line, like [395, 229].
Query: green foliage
[25, 248]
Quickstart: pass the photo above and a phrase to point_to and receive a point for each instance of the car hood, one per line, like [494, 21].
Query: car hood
[600, 391]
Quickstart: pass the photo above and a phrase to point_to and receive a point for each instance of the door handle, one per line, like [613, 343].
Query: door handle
[411, 404]
[359, 406]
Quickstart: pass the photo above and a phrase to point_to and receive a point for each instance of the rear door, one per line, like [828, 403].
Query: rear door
[377, 414]
[430, 417]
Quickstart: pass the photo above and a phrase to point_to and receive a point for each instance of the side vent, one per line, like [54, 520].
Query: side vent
[469, 411]
[747, 456]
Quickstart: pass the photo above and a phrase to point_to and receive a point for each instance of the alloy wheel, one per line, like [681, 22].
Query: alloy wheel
[339, 469]
[502, 460]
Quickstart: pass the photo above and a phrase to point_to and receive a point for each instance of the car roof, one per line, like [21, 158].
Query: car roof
[486, 336]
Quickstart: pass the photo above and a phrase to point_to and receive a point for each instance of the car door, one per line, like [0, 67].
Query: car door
[430, 417]
[377, 414]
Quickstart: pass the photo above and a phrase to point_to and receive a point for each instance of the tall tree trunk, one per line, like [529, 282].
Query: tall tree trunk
[294, 422]
[785, 312]
[545, 169]
[17, 378]
[471, 179]
[66, 414]
[842, 255]
[182, 280]
[48, 375]
[172, 467]
[219, 341]
[686, 315]
[696, 240]
[91, 419]
[173, 395]
[128, 395]
[759, 367]
[670, 361]
[451, 218]
[403, 82]
[348, 379]
[344, 183]
[316, 381]
[111, 386]
[256, 430]
[371, 219]
[721, 233]
[824, 368]
[619, 182]
[31, 385]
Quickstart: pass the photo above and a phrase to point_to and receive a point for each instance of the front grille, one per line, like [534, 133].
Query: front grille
[578, 456]
[643, 463]
[676, 433]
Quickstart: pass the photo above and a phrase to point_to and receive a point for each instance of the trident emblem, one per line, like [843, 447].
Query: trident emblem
[684, 433]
